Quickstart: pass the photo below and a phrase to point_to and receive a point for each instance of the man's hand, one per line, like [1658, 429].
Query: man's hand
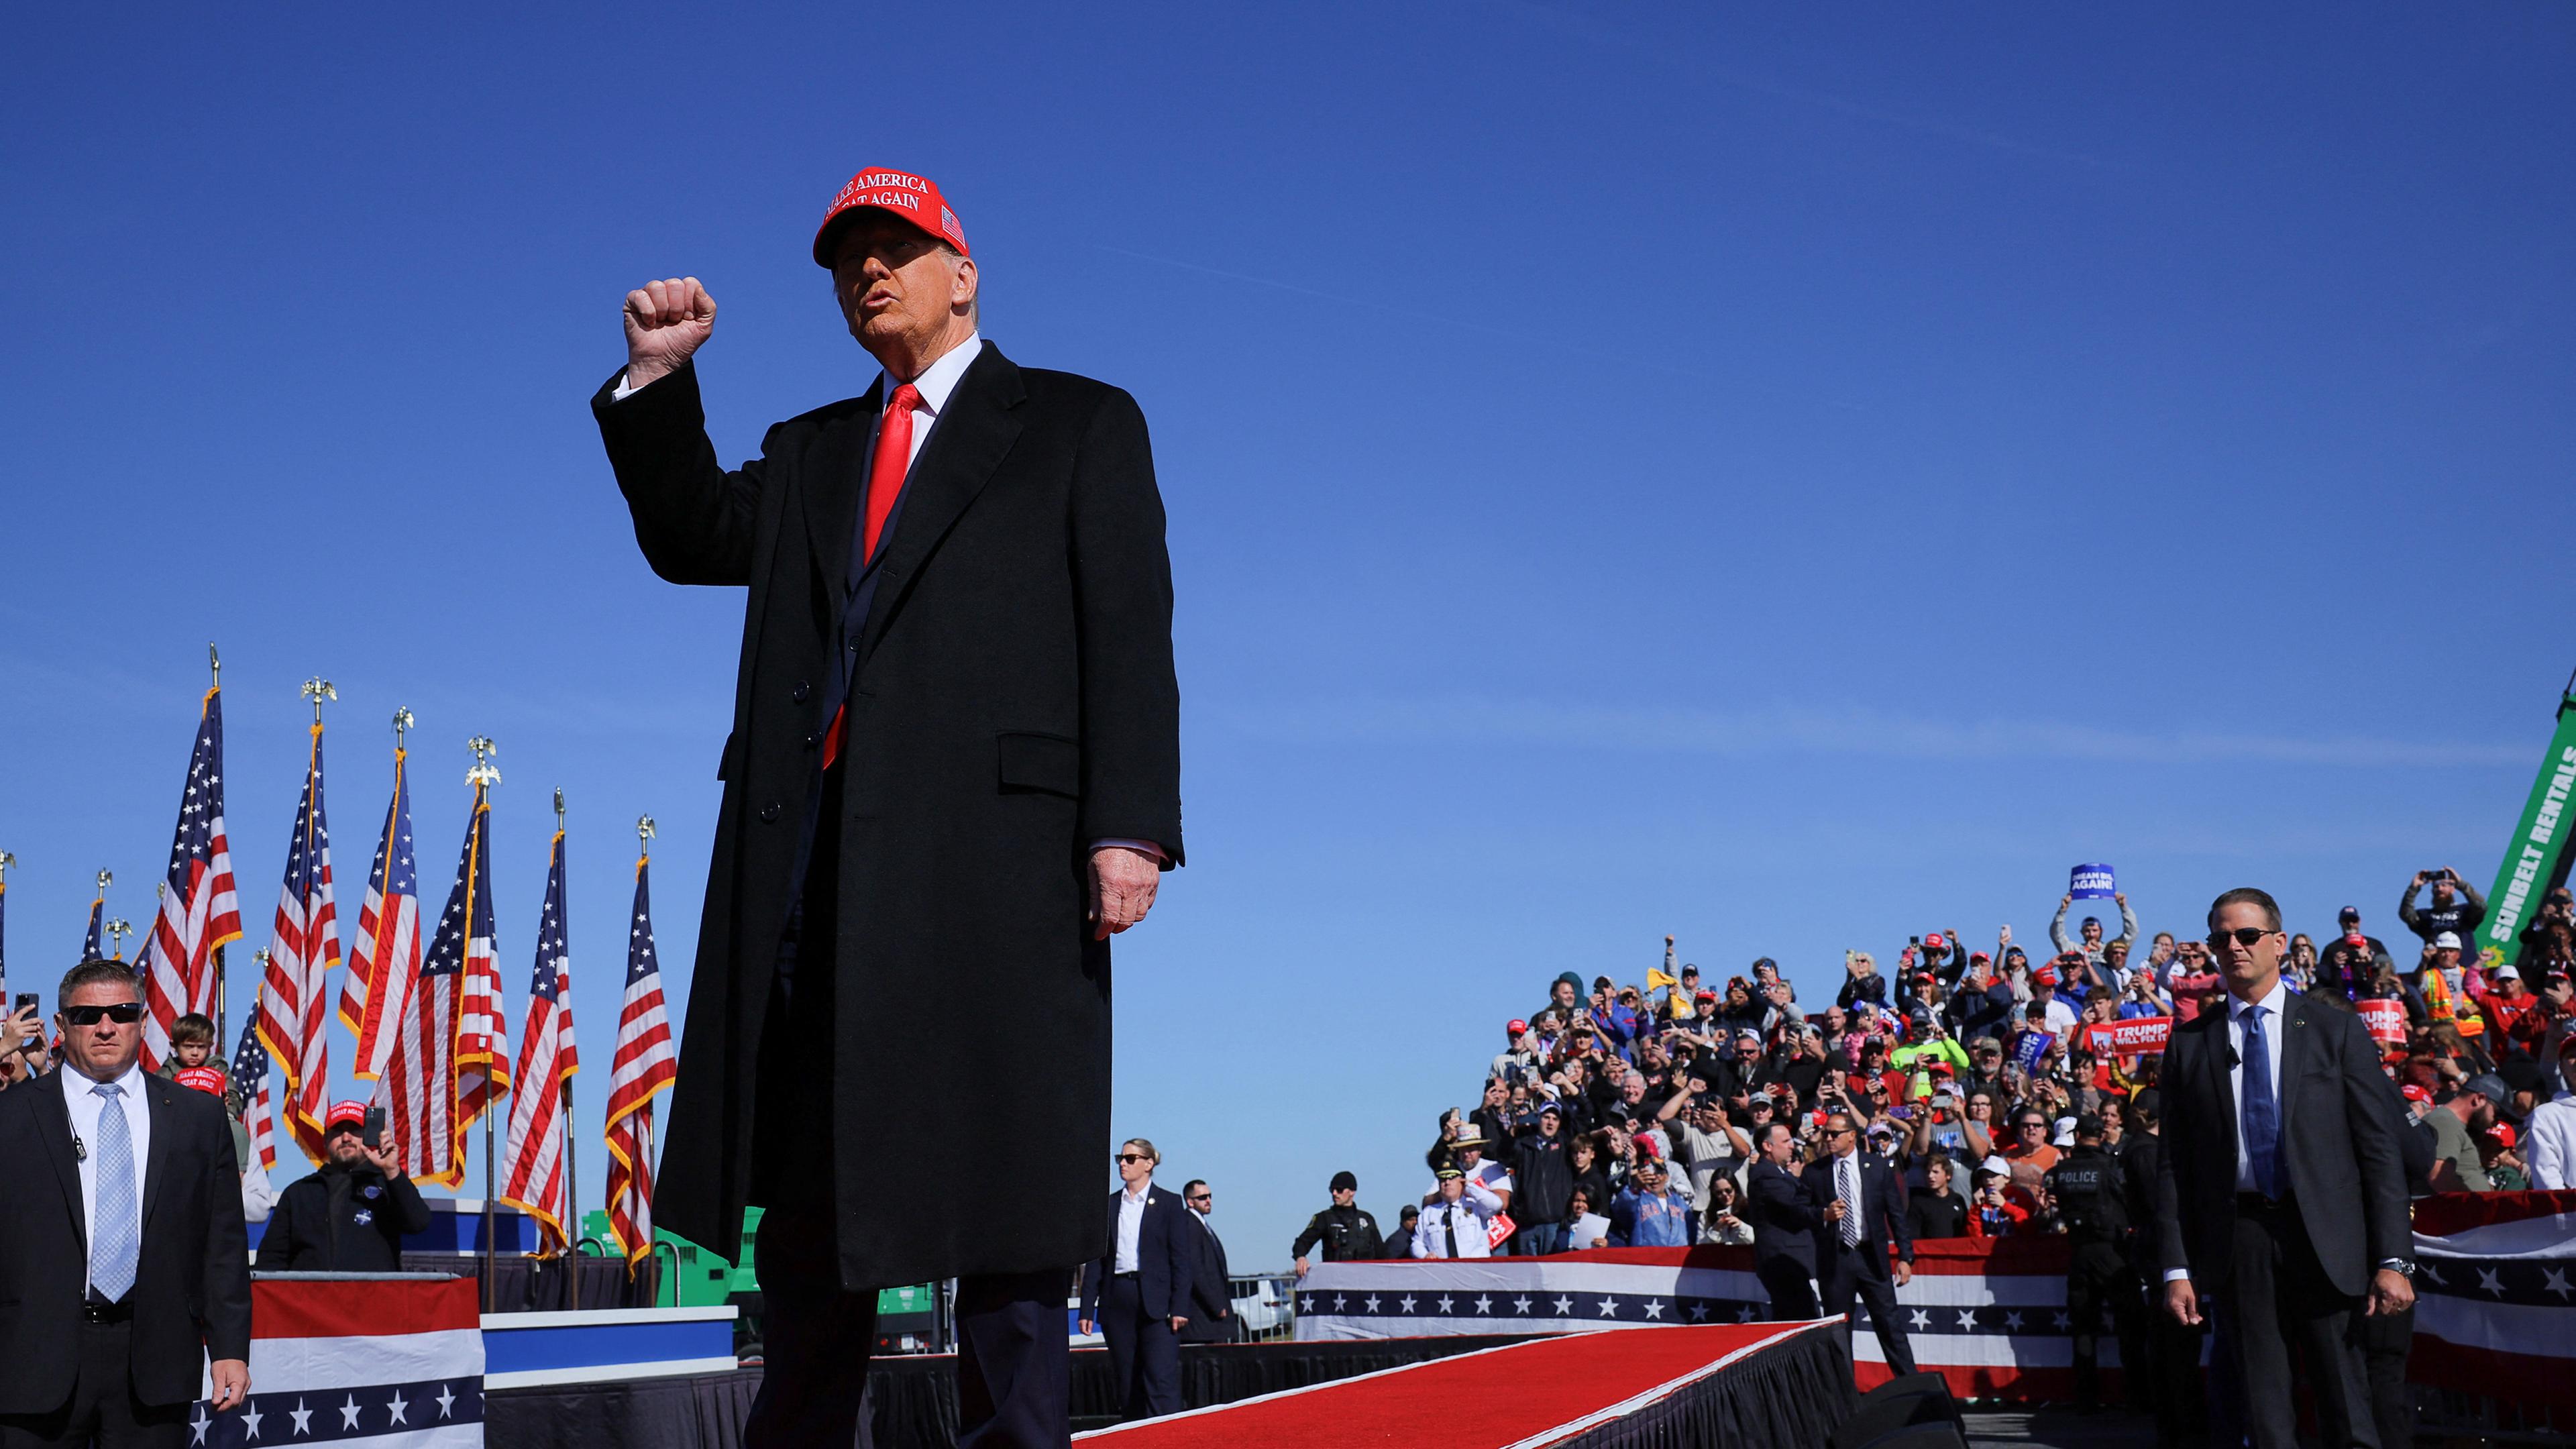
[2119, 898]
[2183, 1302]
[1177, 1322]
[1123, 880]
[2420, 878]
[2390, 1292]
[1084, 1325]
[1904, 1272]
[665, 322]
[1834, 1211]
[1301, 1267]
[231, 1378]
[381, 1157]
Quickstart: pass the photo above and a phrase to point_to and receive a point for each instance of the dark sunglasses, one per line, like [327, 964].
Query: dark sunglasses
[1133, 1157]
[1201, 1197]
[2245, 935]
[123, 1013]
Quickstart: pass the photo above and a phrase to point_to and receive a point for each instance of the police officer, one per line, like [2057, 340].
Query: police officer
[1344, 1230]
[2092, 1206]
[350, 1214]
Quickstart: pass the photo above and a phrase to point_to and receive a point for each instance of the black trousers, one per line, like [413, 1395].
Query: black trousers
[1014, 1372]
[2384, 1340]
[102, 1410]
[1861, 1272]
[2168, 1381]
[1793, 1297]
[2098, 1282]
[2280, 1315]
[1144, 1353]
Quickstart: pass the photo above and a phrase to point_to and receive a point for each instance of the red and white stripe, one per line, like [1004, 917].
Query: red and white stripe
[386, 954]
[294, 1014]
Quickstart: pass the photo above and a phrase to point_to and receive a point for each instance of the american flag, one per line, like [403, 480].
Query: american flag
[91, 946]
[386, 954]
[199, 911]
[294, 1016]
[446, 1064]
[642, 1065]
[258, 1088]
[533, 1177]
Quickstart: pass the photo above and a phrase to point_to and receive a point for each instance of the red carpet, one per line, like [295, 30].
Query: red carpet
[1522, 1396]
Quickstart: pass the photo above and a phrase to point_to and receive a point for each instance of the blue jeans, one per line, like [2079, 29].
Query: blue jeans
[1539, 1239]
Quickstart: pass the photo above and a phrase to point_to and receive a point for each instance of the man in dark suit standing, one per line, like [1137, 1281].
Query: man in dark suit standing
[1211, 1310]
[954, 773]
[1784, 1220]
[2280, 1193]
[1138, 1292]
[1862, 1218]
[124, 1266]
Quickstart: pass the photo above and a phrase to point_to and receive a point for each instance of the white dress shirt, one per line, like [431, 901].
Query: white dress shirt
[86, 1107]
[1131, 1224]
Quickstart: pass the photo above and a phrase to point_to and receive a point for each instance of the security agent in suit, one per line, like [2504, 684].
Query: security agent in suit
[954, 771]
[1139, 1290]
[1784, 1217]
[2280, 1193]
[1211, 1311]
[124, 1267]
[1863, 1215]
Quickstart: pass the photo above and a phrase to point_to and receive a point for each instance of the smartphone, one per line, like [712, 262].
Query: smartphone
[374, 1136]
[27, 1002]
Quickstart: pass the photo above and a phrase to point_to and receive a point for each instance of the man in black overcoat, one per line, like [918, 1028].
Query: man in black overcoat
[954, 772]
[2280, 1189]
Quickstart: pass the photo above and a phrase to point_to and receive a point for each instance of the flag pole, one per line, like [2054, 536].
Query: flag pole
[483, 771]
[223, 988]
[572, 1176]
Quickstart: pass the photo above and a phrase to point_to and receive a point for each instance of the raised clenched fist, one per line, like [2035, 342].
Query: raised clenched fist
[665, 322]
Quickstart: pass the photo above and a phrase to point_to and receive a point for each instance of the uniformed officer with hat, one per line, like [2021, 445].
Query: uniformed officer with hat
[1343, 1229]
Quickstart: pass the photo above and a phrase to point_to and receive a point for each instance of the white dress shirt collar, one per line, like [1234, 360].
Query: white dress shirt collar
[2271, 1001]
[940, 378]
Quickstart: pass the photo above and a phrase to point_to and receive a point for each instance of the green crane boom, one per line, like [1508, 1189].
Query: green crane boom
[2536, 859]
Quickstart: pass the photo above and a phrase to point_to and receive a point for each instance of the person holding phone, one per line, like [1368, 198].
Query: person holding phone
[350, 1215]
[22, 1042]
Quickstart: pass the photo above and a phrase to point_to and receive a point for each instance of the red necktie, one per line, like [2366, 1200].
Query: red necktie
[885, 484]
[886, 469]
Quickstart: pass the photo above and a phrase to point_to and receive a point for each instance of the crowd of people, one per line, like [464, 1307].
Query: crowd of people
[2005, 1096]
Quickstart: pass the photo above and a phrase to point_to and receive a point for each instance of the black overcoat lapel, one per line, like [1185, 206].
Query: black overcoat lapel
[832, 478]
[965, 446]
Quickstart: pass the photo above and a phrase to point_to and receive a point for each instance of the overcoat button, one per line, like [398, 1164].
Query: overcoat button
[769, 813]
[812, 740]
[802, 691]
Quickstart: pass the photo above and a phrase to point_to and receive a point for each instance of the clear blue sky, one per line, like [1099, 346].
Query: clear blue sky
[1792, 480]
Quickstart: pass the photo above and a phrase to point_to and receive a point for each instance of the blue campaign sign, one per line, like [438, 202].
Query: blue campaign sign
[2092, 883]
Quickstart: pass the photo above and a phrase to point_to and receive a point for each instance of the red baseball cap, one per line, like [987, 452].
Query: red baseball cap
[1936, 941]
[915, 199]
[353, 1113]
[203, 1079]
[1516, 1026]
[2501, 1134]
[2414, 1093]
[2045, 975]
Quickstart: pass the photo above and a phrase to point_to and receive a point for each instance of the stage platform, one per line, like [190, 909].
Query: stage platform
[1761, 1386]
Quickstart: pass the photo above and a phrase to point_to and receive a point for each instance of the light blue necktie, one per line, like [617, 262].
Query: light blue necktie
[2262, 1108]
[117, 1232]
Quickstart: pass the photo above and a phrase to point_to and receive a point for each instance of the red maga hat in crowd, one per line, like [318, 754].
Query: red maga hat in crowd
[2414, 1093]
[353, 1113]
[915, 199]
[203, 1079]
[1936, 941]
